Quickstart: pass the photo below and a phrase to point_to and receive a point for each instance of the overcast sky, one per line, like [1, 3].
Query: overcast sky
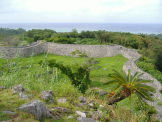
[68, 11]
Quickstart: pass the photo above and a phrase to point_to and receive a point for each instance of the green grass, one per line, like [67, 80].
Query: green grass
[10, 102]
[160, 103]
[36, 77]
[105, 67]
[148, 66]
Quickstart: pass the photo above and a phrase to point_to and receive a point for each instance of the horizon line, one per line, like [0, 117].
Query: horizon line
[74, 23]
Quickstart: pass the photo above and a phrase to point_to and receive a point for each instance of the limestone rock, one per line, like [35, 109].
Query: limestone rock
[70, 117]
[91, 103]
[36, 108]
[47, 96]
[58, 112]
[82, 99]
[82, 119]
[102, 93]
[23, 95]
[97, 91]
[2, 87]
[61, 110]
[61, 100]
[101, 106]
[81, 114]
[96, 115]
[18, 89]
[8, 112]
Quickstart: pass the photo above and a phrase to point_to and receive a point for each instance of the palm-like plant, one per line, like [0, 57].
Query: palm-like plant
[130, 84]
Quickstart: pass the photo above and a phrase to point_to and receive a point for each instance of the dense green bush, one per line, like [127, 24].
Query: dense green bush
[79, 75]
[158, 62]
[11, 37]
[62, 40]
[7, 31]
[147, 65]
[78, 53]
[36, 34]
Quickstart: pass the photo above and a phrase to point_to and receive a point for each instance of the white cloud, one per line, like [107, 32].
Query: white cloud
[82, 10]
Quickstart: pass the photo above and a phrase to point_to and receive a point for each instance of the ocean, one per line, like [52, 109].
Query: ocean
[67, 27]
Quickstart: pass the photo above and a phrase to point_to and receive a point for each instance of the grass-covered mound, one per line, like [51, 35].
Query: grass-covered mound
[37, 77]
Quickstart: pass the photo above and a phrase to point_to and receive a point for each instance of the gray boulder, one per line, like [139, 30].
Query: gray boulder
[96, 115]
[97, 91]
[81, 114]
[36, 108]
[47, 96]
[18, 89]
[82, 99]
[60, 111]
[23, 95]
[102, 93]
[70, 117]
[8, 112]
[91, 103]
[2, 87]
[82, 119]
[61, 100]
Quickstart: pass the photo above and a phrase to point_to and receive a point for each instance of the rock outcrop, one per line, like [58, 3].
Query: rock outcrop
[47, 96]
[81, 114]
[20, 90]
[82, 119]
[36, 108]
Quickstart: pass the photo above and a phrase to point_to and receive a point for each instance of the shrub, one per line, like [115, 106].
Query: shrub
[78, 53]
[147, 65]
[79, 77]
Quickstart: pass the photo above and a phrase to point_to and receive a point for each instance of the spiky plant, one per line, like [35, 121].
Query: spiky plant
[130, 84]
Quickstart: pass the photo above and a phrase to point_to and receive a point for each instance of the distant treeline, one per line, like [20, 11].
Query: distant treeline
[159, 36]
[150, 46]
[7, 31]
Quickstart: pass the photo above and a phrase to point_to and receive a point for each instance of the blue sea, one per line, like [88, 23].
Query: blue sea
[67, 27]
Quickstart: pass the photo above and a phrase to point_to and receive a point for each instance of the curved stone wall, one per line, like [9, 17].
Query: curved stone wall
[91, 51]
[11, 52]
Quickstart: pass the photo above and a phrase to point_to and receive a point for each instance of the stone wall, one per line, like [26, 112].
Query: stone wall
[11, 52]
[64, 49]
[91, 51]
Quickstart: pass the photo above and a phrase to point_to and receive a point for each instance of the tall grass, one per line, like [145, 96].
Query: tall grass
[34, 76]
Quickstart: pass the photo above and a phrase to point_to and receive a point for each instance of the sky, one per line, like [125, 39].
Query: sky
[81, 11]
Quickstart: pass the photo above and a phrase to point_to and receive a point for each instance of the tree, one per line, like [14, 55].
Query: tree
[158, 62]
[130, 84]
[103, 36]
[87, 34]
